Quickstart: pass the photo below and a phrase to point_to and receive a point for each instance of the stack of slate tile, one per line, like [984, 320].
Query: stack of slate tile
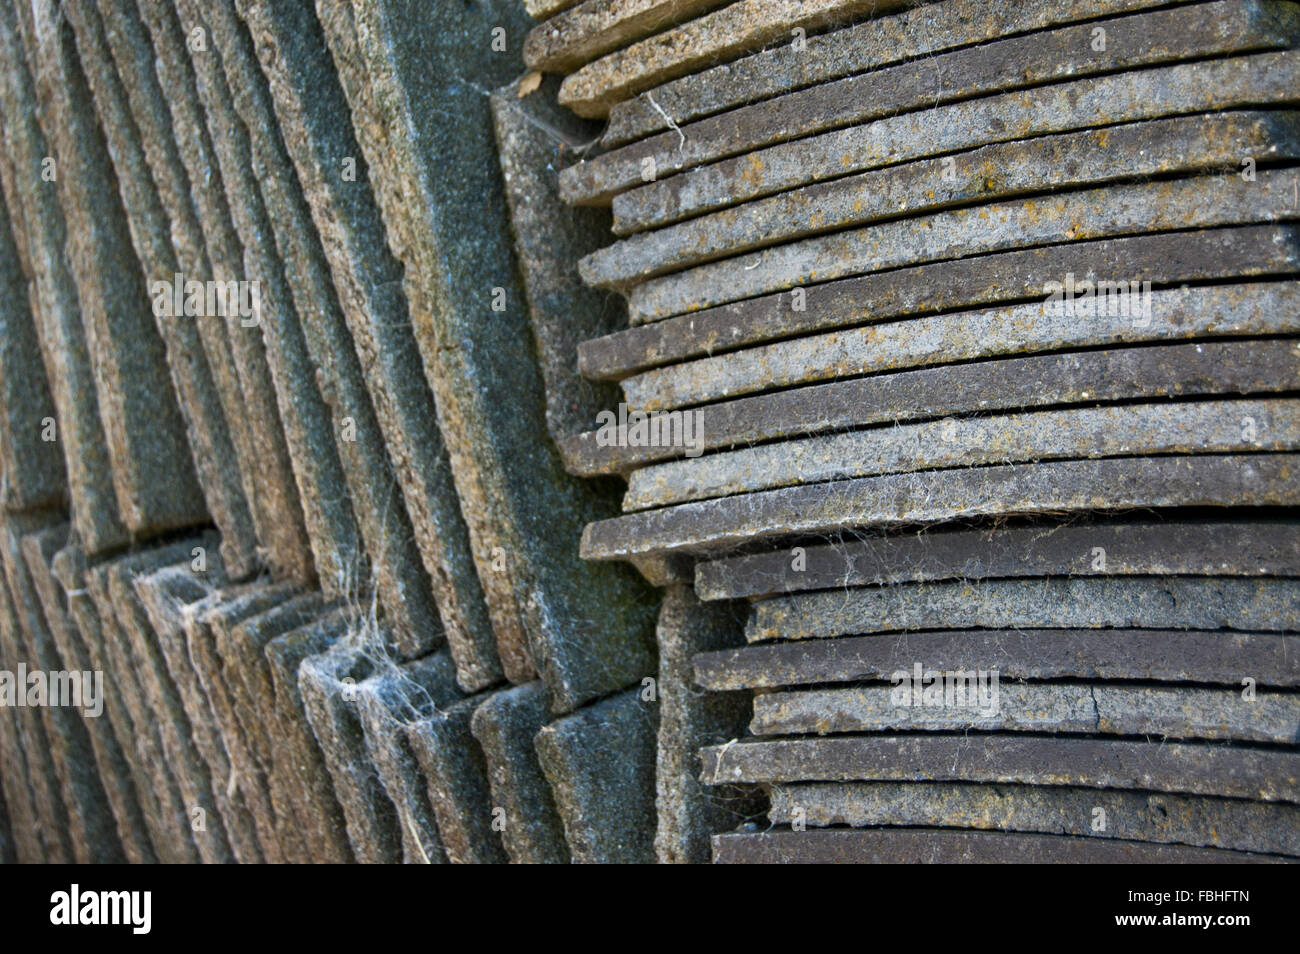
[322, 549]
[963, 343]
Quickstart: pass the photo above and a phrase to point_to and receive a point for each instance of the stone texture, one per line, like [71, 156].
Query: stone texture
[520, 508]
[457, 775]
[388, 702]
[1003, 277]
[1131, 816]
[688, 812]
[328, 683]
[901, 499]
[1192, 656]
[600, 763]
[956, 847]
[574, 37]
[523, 807]
[1193, 768]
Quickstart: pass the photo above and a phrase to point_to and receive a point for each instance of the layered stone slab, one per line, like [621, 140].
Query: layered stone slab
[1200, 202]
[687, 812]
[40, 233]
[1131, 816]
[1250, 480]
[1270, 605]
[29, 454]
[326, 507]
[1178, 145]
[39, 548]
[523, 807]
[574, 37]
[250, 402]
[1191, 656]
[166, 594]
[1136, 547]
[1205, 312]
[457, 776]
[388, 703]
[872, 44]
[1212, 426]
[600, 763]
[957, 847]
[1113, 374]
[1180, 767]
[481, 363]
[398, 574]
[298, 756]
[1252, 251]
[92, 828]
[328, 683]
[314, 119]
[153, 469]
[153, 190]
[1205, 86]
[1172, 713]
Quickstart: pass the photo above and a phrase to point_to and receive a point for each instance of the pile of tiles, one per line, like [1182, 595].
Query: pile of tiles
[321, 546]
[961, 362]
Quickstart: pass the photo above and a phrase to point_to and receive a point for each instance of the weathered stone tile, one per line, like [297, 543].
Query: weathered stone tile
[165, 594]
[1252, 251]
[1171, 713]
[1148, 548]
[92, 829]
[51, 837]
[32, 465]
[930, 83]
[1262, 308]
[136, 128]
[203, 621]
[178, 735]
[327, 508]
[1244, 82]
[1199, 202]
[1132, 816]
[524, 809]
[900, 499]
[39, 548]
[24, 821]
[593, 28]
[1193, 768]
[600, 763]
[1177, 145]
[387, 703]
[520, 508]
[298, 757]
[689, 719]
[956, 847]
[328, 683]
[723, 35]
[40, 235]
[314, 118]
[398, 574]
[871, 45]
[457, 775]
[1165, 428]
[1114, 374]
[173, 836]
[1196, 656]
[153, 470]
[122, 704]
[250, 401]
